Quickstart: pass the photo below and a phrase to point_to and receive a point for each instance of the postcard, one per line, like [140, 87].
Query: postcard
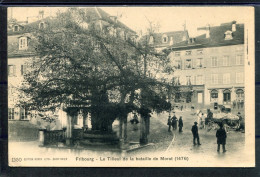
[131, 86]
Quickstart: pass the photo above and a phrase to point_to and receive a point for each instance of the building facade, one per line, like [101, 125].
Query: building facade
[212, 65]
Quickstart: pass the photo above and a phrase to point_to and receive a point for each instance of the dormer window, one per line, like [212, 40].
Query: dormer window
[41, 25]
[228, 35]
[164, 38]
[16, 28]
[23, 43]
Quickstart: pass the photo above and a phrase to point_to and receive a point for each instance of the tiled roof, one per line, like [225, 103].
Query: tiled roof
[92, 14]
[216, 38]
[177, 36]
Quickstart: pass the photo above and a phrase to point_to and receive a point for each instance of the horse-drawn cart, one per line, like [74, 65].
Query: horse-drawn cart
[227, 119]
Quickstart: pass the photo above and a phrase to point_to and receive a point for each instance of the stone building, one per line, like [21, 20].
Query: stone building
[212, 65]
[22, 43]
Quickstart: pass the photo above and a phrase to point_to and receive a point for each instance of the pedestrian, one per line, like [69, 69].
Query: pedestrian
[174, 121]
[195, 133]
[199, 114]
[221, 137]
[180, 124]
[181, 107]
[169, 123]
[202, 123]
[134, 122]
[234, 104]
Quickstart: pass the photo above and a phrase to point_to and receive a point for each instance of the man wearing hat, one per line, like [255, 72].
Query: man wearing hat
[174, 121]
[195, 133]
[221, 137]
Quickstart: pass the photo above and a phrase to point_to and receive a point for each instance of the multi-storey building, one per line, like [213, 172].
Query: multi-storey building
[212, 65]
[22, 43]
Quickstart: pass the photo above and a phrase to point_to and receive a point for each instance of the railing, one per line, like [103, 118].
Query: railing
[54, 137]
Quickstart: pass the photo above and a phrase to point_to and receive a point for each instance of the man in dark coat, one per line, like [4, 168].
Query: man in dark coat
[180, 124]
[169, 123]
[195, 133]
[174, 121]
[221, 137]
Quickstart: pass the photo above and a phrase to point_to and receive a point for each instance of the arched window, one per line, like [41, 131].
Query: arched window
[240, 94]
[226, 95]
[214, 94]
[41, 25]
[228, 35]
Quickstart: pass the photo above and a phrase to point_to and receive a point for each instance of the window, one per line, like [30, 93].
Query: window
[177, 81]
[239, 78]
[23, 43]
[226, 95]
[188, 81]
[199, 63]
[11, 113]
[164, 38]
[240, 94]
[188, 52]
[228, 35]
[23, 69]
[16, 28]
[199, 52]
[214, 94]
[226, 78]
[151, 40]
[199, 80]
[214, 78]
[11, 70]
[178, 64]
[226, 60]
[41, 25]
[239, 60]
[214, 61]
[188, 63]
[177, 54]
[23, 114]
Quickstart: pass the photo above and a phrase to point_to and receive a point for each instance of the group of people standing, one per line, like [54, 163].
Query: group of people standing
[173, 122]
[221, 134]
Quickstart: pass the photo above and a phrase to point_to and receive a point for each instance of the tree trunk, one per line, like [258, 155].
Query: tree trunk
[143, 131]
[72, 114]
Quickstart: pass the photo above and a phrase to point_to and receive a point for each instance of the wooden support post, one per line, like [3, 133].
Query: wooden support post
[85, 119]
[72, 114]
[143, 131]
[125, 129]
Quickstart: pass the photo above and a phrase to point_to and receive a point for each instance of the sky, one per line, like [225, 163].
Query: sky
[169, 18]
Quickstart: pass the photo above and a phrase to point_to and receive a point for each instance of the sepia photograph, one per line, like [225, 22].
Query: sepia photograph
[131, 86]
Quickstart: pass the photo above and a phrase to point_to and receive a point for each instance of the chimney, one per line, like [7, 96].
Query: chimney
[234, 28]
[207, 31]
[41, 14]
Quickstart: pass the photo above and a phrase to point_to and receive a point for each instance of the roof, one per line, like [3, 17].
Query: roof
[216, 38]
[177, 37]
[92, 14]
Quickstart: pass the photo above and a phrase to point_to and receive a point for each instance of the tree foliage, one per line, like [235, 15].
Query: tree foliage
[80, 63]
